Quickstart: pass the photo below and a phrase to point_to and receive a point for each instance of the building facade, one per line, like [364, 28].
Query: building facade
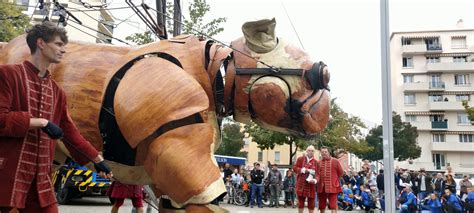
[431, 72]
[86, 21]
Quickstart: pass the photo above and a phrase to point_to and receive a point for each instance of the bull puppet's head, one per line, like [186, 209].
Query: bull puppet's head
[276, 84]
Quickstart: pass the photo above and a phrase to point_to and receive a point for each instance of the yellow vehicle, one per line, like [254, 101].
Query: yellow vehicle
[75, 181]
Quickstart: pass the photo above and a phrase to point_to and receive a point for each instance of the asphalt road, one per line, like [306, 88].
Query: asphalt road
[102, 204]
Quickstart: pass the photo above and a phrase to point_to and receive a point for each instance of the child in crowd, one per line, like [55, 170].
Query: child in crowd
[345, 199]
[365, 201]
[469, 201]
[432, 204]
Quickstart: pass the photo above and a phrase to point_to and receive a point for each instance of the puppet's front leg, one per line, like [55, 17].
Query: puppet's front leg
[182, 166]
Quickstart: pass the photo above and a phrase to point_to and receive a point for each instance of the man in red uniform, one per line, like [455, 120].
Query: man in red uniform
[305, 168]
[329, 186]
[33, 114]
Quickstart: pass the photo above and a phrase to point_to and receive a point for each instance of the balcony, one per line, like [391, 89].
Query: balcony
[450, 67]
[447, 105]
[452, 146]
[434, 48]
[437, 85]
[416, 86]
[414, 49]
[421, 126]
[439, 125]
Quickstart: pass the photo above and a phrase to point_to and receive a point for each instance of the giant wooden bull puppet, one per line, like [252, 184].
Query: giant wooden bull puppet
[153, 109]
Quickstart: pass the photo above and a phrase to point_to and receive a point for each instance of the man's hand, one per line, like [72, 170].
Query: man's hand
[103, 170]
[53, 131]
[303, 170]
[38, 123]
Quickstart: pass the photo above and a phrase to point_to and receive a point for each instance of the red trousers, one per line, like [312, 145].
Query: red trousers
[323, 197]
[32, 203]
[311, 202]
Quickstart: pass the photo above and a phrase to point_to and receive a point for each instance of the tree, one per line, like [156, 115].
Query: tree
[141, 38]
[469, 110]
[268, 139]
[12, 22]
[343, 134]
[232, 140]
[404, 141]
[197, 11]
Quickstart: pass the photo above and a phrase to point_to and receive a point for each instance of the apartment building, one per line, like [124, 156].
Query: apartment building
[431, 76]
[85, 22]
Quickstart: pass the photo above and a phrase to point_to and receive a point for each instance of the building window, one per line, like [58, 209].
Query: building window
[410, 118]
[458, 42]
[408, 78]
[439, 161]
[461, 79]
[463, 97]
[277, 157]
[465, 138]
[435, 98]
[431, 60]
[433, 44]
[436, 118]
[463, 118]
[459, 59]
[410, 98]
[260, 156]
[406, 41]
[408, 62]
[439, 138]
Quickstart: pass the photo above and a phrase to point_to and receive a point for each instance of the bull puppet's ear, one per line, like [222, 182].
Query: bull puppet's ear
[260, 35]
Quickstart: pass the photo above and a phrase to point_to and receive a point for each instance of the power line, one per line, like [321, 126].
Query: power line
[294, 29]
[90, 28]
[88, 33]
[274, 69]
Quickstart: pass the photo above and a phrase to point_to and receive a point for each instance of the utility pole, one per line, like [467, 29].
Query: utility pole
[389, 178]
[161, 18]
[177, 18]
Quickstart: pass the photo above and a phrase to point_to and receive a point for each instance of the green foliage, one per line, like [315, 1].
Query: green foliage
[404, 141]
[268, 139]
[343, 132]
[141, 38]
[12, 22]
[197, 11]
[232, 140]
[469, 110]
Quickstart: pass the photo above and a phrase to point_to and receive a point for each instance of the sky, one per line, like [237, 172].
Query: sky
[344, 34]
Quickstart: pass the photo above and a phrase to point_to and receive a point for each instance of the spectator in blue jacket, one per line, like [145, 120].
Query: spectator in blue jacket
[410, 203]
[432, 204]
[469, 202]
[346, 199]
[452, 203]
[365, 200]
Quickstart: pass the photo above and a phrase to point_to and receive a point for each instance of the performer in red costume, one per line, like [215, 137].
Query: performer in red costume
[305, 168]
[329, 172]
[33, 114]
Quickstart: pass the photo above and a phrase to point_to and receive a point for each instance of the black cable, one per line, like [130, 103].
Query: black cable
[90, 28]
[274, 69]
[88, 34]
[12, 17]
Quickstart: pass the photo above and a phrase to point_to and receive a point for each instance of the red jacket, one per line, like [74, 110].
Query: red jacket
[26, 155]
[329, 173]
[304, 188]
